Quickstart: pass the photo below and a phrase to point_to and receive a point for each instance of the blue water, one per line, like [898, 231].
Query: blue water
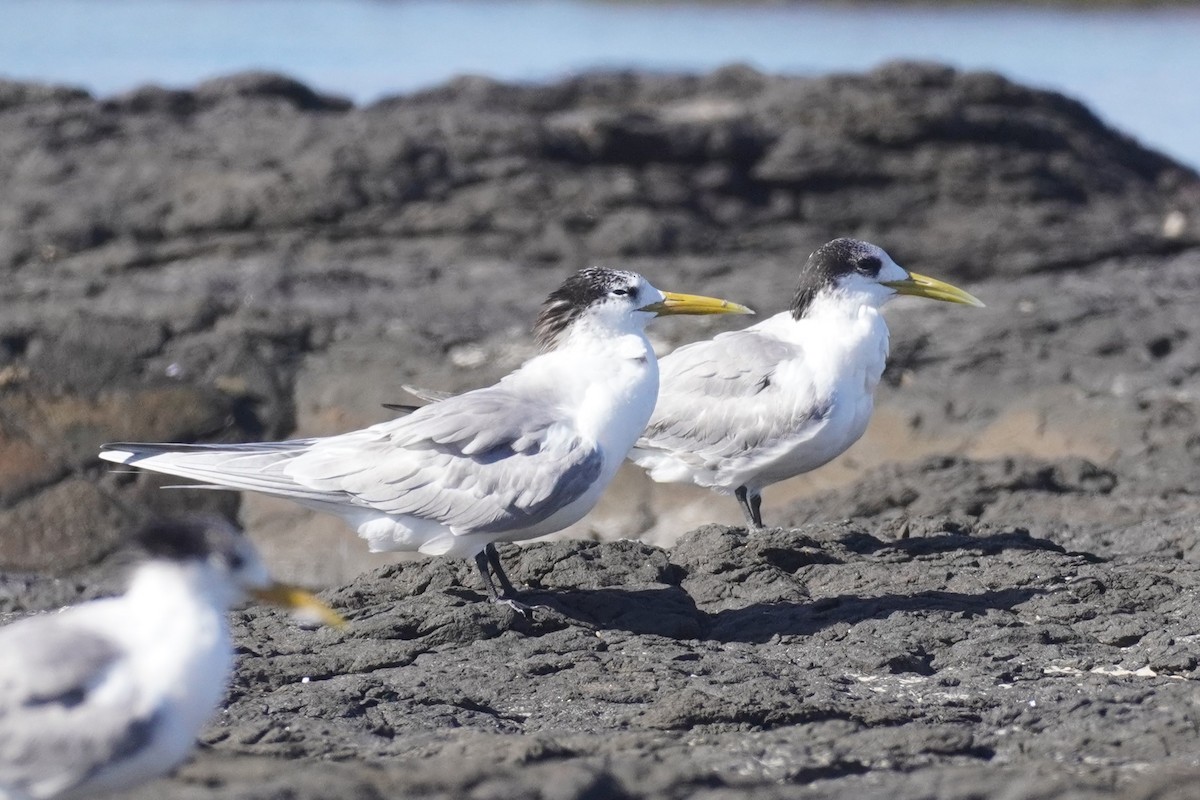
[1139, 69]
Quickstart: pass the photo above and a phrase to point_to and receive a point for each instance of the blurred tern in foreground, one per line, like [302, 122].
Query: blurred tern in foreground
[111, 693]
[520, 459]
[750, 408]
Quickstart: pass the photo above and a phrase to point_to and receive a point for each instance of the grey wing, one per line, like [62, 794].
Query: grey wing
[53, 731]
[726, 397]
[485, 461]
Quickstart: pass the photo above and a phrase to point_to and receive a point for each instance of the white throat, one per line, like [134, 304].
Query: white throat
[612, 384]
[845, 340]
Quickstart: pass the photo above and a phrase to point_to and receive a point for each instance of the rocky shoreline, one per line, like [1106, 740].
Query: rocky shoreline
[995, 594]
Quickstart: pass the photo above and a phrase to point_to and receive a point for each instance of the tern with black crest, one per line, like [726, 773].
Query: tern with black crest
[525, 457]
[111, 693]
[750, 408]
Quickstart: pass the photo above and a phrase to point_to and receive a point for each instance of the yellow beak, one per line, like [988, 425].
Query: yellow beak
[676, 303]
[303, 602]
[922, 286]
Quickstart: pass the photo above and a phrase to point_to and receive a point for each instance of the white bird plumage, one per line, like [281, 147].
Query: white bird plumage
[520, 459]
[750, 408]
[110, 693]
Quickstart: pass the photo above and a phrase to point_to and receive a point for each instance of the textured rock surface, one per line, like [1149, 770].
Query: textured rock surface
[857, 659]
[250, 259]
[995, 594]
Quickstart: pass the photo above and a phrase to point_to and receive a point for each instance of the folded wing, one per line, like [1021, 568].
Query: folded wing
[65, 707]
[730, 397]
[485, 461]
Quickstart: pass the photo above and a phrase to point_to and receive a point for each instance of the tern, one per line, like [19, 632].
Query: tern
[525, 457]
[111, 693]
[753, 407]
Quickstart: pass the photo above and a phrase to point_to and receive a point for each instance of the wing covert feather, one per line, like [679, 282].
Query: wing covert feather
[719, 399]
[485, 461]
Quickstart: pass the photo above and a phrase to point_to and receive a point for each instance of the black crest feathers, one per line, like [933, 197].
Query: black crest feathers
[566, 303]
[186, 538]
[829, 262]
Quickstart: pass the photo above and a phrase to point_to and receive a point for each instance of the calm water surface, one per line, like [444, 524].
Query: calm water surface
[1139, 69]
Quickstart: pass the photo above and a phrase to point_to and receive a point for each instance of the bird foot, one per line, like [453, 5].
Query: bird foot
[526, 611]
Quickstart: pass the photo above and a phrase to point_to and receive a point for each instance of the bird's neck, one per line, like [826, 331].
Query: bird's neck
[841, 334]
[177, 619]
[610, 383]
[836, 302]
[601, 346]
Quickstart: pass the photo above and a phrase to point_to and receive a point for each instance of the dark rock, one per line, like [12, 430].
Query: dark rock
[262, 246]
[898, 665]
[263, 85]
[996, 598]
[14, 94]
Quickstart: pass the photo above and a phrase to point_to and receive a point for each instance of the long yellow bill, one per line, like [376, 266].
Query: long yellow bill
[676, 303]
[923, 286]
[303, 603]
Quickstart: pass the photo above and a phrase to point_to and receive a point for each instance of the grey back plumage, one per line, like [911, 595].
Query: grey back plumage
[718, 401]
[53, 732]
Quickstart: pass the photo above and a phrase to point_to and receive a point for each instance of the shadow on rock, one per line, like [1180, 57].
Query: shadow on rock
[946, 485]
[669, 612]
[916, 537]
[761, 622]
[723, 584]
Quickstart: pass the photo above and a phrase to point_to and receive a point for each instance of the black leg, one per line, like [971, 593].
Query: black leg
[493, 557]
[482, 559]
[750, 507]
[756, 509]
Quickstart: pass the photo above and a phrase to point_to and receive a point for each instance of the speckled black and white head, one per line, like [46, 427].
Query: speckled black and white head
[210, 542]
[854, 272]
[592, 292]
[845, 267]
[218, 560]
[616, 301]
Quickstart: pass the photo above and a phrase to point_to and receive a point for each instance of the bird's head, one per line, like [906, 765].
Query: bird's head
[857, 272]
[226, 563]
[616, 300]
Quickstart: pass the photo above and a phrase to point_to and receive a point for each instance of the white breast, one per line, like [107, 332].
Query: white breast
[613, 391]
[843, 357]
[180, 659]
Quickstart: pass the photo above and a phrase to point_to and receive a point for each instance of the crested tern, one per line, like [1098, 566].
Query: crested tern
[753, 407]
[111, 693]
[525, 457]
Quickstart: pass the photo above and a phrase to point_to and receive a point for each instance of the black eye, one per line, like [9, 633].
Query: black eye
[869, 265]
[622, 292]
[236, 561]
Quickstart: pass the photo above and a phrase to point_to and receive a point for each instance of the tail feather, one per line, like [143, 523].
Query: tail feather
[255, 467]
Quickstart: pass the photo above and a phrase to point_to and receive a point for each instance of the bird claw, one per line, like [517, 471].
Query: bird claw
[526, 611]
